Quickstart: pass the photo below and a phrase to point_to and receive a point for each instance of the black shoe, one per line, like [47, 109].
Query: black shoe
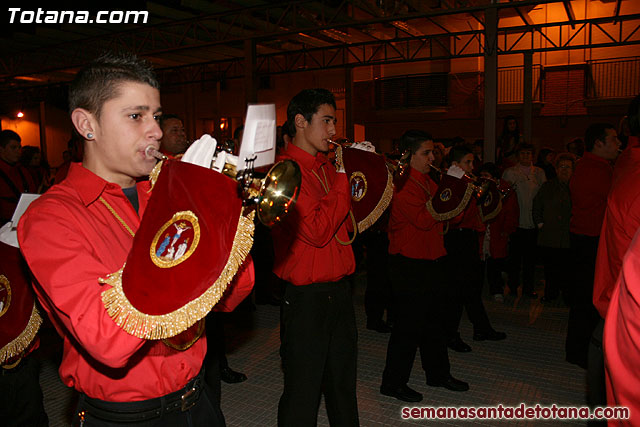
[379, 327]
[458, 345]
[490, 335]
[449, 383]
[230, 376]
[402, 392]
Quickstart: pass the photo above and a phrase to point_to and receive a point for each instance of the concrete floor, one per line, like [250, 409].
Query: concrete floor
[528, 367]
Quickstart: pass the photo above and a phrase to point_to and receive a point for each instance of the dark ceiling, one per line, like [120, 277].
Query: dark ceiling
[191, 40]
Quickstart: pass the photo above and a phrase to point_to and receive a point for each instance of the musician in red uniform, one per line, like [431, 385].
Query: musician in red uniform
[417, 260]
[313, 255]
[82, 230]
[621, 220]
[461, 243]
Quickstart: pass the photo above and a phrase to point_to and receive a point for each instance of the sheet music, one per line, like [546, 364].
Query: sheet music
[259, 137]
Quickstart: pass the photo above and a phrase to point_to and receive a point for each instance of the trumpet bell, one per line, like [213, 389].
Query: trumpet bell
[279, 192]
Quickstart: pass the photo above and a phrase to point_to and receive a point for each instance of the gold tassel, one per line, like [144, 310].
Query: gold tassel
[22, 341]
[153, 176]
[163, 326]
[382, 205]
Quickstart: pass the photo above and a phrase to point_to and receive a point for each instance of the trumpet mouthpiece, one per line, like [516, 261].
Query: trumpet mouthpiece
[152, 152]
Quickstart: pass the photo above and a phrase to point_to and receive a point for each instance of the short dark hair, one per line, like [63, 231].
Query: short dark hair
[596, 132]
[165, 117]
[525, 147]
[458, 152]
[8, 135]
[565, 157]
[413, 139]
[633, 116]
[100, 81]
[491, 168]
[307, 102]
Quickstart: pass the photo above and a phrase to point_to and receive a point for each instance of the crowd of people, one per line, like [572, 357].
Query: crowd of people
[573, 212]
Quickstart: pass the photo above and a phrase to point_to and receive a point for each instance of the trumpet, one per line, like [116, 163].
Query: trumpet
[272, 196]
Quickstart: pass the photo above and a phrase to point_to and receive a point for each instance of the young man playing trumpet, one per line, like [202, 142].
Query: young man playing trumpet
[419, 281]
[313, 255]
[82, 230]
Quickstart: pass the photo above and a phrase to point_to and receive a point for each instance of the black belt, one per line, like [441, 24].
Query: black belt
[183, 400]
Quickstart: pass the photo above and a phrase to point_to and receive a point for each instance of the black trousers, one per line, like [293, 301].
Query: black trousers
[494, 268]
[522, 257]
[377, 296]
[21, 396]
[465, 285]
[319, 354]
[557, 264]
[583, 316]
[419, 295]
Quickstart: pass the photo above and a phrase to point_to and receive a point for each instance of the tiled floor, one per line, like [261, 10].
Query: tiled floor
[527, 367]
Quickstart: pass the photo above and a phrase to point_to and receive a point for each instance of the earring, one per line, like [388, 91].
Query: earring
[89, 135]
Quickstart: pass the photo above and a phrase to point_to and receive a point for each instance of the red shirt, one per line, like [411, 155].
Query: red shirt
[70, 239]
[621, 220]
[306, 249]
[621, 337]
[413, 232]
[589, 185]
[23, 183]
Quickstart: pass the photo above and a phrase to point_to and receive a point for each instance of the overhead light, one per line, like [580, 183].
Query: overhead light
[20, 114]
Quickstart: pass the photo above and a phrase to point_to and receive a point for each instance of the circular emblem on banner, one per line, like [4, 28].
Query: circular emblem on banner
[488, 200]
[176, 240]
[5, 295]
[358, 186]
[445, 196]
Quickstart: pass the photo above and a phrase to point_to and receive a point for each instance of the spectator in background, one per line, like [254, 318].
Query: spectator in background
[31, 160]
[576, 147]
[495, 239]
[174, 139]
[526, 179]
[546, 162]
[14, 178]
[508, 142]
[75, 152]
[551, 213]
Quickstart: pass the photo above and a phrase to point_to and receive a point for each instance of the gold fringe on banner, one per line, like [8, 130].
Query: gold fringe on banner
[155, 327]
[22, 341]
[382, 205]
[455, 212]
[493, 214]
[153, 176]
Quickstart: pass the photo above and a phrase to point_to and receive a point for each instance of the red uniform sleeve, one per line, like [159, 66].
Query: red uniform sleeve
[239, 288]
[67, 272]
[411, 202]
[316, 221]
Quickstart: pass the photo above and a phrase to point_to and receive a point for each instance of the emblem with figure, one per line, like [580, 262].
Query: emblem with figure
[176, 240]
[358, 186]
[5, 295]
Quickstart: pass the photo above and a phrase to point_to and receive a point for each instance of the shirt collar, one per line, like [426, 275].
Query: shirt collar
[89, 185]
[304, 159]
[592, 157]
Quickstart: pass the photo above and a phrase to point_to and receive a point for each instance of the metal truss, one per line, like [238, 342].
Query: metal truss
[578, 34]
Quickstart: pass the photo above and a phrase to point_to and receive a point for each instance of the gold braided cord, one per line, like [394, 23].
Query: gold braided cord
[493, 214]
[154, 327]
[382, 205]
[455, 212]
[325, 186]
[115, 214]
[22, 341]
